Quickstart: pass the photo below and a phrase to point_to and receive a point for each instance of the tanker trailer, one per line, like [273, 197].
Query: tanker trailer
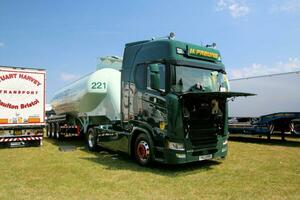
[93, 99]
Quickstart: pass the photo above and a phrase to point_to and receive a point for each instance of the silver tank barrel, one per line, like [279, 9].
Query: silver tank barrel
[97, 94]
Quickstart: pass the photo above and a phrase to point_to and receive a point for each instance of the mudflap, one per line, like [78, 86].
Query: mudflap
[16, 142]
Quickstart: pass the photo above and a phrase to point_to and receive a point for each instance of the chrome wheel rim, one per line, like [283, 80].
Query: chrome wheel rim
[143, 151]
[90, 140]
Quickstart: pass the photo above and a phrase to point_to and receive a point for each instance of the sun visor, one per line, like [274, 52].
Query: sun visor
[218, 94]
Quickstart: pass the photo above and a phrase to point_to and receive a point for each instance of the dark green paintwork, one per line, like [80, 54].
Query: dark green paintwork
[162, 51]
[143, 109]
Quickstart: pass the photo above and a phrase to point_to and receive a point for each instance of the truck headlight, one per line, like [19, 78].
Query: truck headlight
[176, 146]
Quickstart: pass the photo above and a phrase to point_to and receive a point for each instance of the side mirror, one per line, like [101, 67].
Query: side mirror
[154, 77]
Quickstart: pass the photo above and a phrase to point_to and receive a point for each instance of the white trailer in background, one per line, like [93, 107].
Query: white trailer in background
[22, 106]
[275, 107]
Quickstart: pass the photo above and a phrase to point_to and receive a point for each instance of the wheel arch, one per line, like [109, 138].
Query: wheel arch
[134, 134]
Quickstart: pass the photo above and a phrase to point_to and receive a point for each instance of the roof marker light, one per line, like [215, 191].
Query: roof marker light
[179, 51]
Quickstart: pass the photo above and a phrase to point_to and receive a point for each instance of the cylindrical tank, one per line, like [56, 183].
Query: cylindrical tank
[97, 94]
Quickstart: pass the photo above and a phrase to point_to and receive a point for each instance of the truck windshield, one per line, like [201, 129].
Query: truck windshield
[189, 78]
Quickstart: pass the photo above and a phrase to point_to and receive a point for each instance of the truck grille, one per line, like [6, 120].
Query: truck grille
[203, 137]
[202, 127]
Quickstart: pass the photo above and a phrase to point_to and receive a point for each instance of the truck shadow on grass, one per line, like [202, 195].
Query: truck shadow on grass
[70, 141]
[276, 141]
[120, 161]
[112, 160]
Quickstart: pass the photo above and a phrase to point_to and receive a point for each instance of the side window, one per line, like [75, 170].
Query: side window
[140, 76]
[156, 76]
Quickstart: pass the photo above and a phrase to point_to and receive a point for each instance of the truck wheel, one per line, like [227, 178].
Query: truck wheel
[91, 139]
[143, 150]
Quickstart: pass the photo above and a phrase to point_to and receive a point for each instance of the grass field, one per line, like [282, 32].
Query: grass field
[254, 169]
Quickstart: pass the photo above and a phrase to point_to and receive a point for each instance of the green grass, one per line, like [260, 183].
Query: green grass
[254, 169]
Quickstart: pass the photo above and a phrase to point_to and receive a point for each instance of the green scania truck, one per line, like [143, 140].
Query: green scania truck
[164, 101]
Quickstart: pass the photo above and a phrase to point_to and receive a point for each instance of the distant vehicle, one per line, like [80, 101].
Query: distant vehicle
[167, 104]
[22, 106]
[295, 126]
[49, 111]
[275, 109]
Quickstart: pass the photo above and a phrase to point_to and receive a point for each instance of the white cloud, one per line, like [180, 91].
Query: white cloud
[291, 6]
[236, 8]
[1, 44]
[68, 76]
[292, 64]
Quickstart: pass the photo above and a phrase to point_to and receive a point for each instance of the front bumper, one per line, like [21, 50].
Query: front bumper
[21, 141]
[189, 155]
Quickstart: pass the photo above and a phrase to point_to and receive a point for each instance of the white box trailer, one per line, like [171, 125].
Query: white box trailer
[22, 106]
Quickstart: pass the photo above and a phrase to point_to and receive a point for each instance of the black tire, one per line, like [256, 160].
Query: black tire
[54, 130]
[271, 128]
[48, 130]
[57, 134]
[292, 128]
[143, 152]
[91, 140]
[51, 129]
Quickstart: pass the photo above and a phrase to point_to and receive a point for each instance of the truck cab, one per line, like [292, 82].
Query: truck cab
[174, 101]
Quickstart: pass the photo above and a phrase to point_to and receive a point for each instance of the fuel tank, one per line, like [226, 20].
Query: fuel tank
[97, 94]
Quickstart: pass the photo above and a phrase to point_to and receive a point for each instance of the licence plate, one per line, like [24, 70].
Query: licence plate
[205, 157]
[16, 144]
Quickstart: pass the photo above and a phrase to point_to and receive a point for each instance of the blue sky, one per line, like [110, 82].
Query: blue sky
[65, 37]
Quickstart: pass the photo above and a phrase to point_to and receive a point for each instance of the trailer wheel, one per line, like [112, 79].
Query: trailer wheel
[52, 130]
[57, 132]
[48, 130]
[143, 150]
[271, 129]
[91, 139]
[292, 128]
